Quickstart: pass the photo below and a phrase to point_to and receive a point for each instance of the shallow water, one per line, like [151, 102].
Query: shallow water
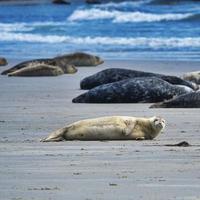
[141, 29]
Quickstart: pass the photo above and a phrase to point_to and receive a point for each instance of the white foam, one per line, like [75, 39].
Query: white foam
[9, 27]
[126, 4]
[6, 36]
[138, 42]
[122, 17]
[22, 27]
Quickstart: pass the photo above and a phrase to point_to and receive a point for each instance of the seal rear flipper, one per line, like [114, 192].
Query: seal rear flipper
[56, 136]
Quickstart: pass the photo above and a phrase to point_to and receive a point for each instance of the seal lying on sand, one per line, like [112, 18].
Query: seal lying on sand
[116, 74]
[77, 59]
[143, 90]
[191, 100]
[3, 61]
[110, 128]
[192, 76]
[30, 63]
[38, 70]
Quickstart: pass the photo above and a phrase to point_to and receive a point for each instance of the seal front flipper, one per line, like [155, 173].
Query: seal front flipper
[56, 136]
[129, 126]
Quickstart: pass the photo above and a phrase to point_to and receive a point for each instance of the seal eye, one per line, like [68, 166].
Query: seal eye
[155, 120]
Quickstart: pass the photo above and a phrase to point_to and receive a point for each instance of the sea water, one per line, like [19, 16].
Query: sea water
[138, 29]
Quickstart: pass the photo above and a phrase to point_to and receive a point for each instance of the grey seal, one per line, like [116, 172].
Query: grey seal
[136, 90]
[190, 100]
[117, 74]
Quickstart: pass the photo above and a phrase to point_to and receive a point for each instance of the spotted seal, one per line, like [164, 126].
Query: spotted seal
[190, 100]
[117, 74]
[136, 90]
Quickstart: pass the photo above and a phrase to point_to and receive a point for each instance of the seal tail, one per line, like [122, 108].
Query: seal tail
[56, 136]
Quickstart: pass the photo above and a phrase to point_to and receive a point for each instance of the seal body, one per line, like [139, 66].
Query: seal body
[136, 90]
[191, 100]
[3, 61]
[110, 128]
[38, 70]
[77, 59]
[28, 64]
[192, 76]
[116, 74]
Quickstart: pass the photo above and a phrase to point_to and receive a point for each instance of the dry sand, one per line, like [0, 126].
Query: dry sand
[30, 108]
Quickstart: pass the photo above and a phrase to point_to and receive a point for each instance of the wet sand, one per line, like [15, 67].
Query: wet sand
[30, 108]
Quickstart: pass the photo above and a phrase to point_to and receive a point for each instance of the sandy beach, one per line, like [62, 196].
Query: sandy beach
[31, 108]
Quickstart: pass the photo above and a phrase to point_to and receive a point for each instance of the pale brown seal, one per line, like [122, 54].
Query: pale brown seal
[3, 61]
[38, 70]
[193, 77]
[110, 128]
[77, 59]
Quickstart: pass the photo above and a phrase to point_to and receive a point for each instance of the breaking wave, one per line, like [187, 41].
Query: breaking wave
[139, 42]
[126, 4]
[123, 17]
[23, 27]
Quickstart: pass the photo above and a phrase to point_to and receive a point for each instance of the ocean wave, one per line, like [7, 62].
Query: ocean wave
[23, 27]
[9, 27]
[126, 4]
[123, 17]
[139, 42]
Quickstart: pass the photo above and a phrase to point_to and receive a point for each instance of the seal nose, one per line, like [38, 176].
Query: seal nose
[99, 60]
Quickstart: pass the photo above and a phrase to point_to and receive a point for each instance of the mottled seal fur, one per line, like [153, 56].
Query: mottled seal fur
[137, 90]
[77, 59]
[190, 100]
[38, 70]
[192, 76]
[110, 128]
[116, 74]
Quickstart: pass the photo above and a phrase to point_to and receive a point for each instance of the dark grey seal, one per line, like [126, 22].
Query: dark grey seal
[137, 90]
[191, 100]
[116, 74]
[77, 59]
